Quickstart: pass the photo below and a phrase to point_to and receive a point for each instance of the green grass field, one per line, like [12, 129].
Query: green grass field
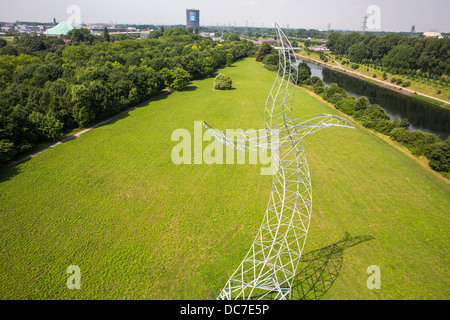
[140, 227]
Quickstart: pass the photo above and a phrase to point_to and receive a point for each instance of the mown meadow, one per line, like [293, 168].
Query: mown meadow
[140, 227]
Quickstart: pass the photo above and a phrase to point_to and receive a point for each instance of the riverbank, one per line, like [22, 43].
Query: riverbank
[421, 160]
[385, 84]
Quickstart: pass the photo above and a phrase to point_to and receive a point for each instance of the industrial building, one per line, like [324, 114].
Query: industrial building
[432, 34]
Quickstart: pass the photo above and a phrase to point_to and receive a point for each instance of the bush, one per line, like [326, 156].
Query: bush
[346, 105]
[315, 80]
[399, 81]
[222, 82]
[374, 117]
[362, 103]
[304, 73]
[270, 62]
[319, 89]
[418, 142]
[335, 98]
[355, 66]
[397, 123]
[271, 59]
[318, 86]
[440, 157]
[406, 84]
[332, 90]
[271, 67]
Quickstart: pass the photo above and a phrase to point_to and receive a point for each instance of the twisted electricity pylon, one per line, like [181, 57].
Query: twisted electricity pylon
[269, 267]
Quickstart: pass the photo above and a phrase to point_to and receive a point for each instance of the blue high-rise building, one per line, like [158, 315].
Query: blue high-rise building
[192, 18]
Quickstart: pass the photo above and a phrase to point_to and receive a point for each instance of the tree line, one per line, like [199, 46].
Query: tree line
[270, 59]
[397, 54]
[47, 87]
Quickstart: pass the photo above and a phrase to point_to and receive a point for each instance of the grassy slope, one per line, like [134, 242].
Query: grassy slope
[140, 227]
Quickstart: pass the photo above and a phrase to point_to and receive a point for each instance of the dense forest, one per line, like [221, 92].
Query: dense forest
[397, 54]
[48, 87]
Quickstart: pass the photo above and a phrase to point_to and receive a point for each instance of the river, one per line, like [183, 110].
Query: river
[420, 114]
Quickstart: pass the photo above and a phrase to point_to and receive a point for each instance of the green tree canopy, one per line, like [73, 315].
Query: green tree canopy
[175, 78]
[82, 35]
[358, 52]
[263, 50]
[105, 35]
[222, 82]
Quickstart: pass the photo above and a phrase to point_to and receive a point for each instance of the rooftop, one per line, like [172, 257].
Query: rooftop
[62, 28]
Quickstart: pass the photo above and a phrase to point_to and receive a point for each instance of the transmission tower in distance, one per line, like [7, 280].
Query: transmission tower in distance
[364, 26]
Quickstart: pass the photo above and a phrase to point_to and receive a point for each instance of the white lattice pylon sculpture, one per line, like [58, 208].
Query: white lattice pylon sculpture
[269, 267]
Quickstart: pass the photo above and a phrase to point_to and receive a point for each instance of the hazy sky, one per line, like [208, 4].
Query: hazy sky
[393, 15]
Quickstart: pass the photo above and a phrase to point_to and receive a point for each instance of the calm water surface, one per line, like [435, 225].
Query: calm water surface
[420, 114]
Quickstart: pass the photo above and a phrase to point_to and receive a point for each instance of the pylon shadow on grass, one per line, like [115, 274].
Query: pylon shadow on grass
[320, 268]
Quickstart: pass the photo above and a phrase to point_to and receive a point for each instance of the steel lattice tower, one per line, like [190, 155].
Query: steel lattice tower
[268, 269]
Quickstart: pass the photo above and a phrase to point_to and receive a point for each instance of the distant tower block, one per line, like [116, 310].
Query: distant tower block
[192, 18]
